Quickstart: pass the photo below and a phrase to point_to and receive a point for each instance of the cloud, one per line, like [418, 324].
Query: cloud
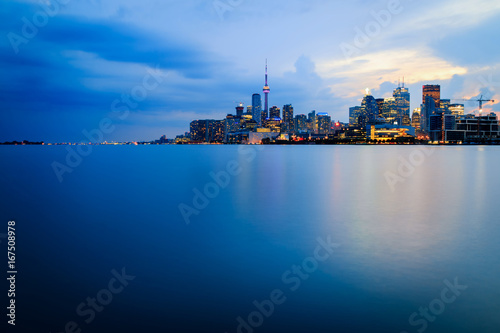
[77, 66]
[66, 77]
[388, 66]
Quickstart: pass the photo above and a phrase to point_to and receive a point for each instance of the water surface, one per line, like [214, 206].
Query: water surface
[119, 208]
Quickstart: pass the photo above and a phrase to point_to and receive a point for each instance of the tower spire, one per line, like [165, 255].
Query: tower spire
[266, 94]
[266, 71]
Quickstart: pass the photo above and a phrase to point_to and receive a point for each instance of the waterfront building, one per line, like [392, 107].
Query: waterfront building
[466, 129]
[324, 123]
[207, 131]
[257, 137]
[217, 131]
[199, 130]
[385, 132]
[439, 123]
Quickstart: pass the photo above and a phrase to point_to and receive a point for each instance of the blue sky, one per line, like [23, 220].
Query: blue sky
[63, 76]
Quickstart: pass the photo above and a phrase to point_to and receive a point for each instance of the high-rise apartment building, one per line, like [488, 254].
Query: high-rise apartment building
[257, 108]
[324, 123]
[208, 130]
[428, 109]
[369, 104]
[354, 115]
[288, 125]
[300, 123]
[312, 122]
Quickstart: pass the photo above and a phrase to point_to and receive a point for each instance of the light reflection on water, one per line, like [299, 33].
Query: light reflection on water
[398, 244]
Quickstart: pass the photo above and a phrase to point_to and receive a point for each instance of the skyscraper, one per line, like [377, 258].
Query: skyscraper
[402, 96]
[354, 113]
[428, 109]
[369, 104]
[431, 104]
[312, 122]
[266, 91]
[389, 110]
[324, 123]
[257, 108]
[434, 91]
[288, 117]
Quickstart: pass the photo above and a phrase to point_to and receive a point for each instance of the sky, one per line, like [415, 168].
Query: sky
[137, 70]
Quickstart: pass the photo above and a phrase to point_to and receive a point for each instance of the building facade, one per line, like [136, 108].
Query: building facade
[288, 124]
[300, 123]
[434, 91]
[274, 112]
[207, 131]
[402, 99]
[257, 108]
[324, 123]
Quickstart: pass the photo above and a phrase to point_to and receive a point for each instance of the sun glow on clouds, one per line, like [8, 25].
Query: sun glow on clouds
[375, 68]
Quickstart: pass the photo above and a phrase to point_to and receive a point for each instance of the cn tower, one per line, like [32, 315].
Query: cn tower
[266, 94]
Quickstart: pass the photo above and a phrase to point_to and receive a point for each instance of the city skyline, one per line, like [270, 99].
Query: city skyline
[71, 83]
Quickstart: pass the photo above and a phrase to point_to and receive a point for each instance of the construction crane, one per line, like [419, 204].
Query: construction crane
[481, 101]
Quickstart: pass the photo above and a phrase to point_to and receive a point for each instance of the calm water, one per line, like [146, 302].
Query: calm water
[399, 237]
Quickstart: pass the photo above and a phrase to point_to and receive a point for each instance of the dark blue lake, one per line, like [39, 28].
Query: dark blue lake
[254, 239]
